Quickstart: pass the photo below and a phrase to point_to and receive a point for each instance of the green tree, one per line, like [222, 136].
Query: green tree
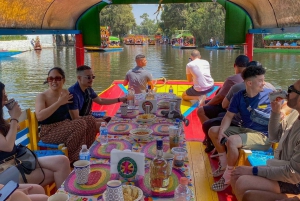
[148, 26]
[119, 18]
[204, 20]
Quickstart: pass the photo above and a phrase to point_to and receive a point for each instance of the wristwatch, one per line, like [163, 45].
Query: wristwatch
[119, 100]
[254, 170]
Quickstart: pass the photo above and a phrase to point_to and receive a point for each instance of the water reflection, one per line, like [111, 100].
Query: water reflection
[25, 73]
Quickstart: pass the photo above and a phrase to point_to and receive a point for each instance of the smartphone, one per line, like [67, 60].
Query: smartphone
[223, 141]
[277, 94]
[7, 190]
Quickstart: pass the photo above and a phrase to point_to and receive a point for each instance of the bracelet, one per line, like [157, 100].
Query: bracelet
[254, 170]
[119, 100]
[14, 119]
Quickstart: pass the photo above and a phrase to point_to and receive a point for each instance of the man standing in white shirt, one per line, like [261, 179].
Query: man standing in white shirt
[198, 72]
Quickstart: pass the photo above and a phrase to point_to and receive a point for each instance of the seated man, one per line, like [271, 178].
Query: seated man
[198, 72]
[138, 78]
[212, 108]
[252, 135]
[84, 95]
[282, 175]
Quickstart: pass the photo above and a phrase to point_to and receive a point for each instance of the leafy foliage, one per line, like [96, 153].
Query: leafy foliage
[147, 27]
[119, 18]
[204, 20]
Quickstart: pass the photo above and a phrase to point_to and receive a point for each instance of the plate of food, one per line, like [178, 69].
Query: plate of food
[145, 117]
[130, 193]
[141, 133]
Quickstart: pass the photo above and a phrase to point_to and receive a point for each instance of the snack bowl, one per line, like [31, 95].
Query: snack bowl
[141, 133]
[134, 191]
[163, 104]
[145, 117]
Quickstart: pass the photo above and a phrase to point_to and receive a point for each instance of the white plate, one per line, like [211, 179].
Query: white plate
[151, 118]
[140, 192]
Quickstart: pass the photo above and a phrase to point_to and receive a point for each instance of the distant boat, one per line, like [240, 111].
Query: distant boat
[9, 53]
[183, 39]
[230, 47]
[112, 45]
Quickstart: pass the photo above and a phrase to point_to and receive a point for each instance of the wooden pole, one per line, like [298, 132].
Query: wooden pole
[79, 50]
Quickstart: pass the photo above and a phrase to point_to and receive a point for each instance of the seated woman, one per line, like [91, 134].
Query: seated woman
[52, 112]
[8, 132]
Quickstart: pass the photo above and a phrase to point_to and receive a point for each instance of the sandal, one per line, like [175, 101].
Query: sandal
[218, 172]
[219, 185]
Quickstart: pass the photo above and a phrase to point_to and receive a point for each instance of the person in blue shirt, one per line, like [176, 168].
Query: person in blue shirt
[251, 135]
[84, 96]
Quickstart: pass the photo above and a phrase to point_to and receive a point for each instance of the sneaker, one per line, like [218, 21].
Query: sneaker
[219, 185]
[219, 172]
[201, 100]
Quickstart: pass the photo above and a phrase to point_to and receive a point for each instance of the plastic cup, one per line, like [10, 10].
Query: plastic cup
[124, 108]
[174, 136]
[169, 158]
[10, 104]
[179, 156]
[82, 170]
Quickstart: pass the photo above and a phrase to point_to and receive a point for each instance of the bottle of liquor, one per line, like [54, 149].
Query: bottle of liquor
[159, 179]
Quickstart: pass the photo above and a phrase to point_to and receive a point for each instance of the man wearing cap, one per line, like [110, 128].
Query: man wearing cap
[138, 78]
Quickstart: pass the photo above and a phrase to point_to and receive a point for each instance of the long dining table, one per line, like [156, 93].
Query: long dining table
[119, 138]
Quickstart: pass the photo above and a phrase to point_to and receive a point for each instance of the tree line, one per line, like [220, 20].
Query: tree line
[203, 20]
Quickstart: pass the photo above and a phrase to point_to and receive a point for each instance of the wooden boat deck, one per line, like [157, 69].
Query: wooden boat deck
[201, 172]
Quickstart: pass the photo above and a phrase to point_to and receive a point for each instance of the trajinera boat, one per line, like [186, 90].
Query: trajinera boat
[183, 39]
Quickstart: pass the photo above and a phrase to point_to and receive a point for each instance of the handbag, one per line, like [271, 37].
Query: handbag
[25, 159]
[256, 115]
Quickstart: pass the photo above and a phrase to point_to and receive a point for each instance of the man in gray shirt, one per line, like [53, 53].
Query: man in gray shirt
[138, 78]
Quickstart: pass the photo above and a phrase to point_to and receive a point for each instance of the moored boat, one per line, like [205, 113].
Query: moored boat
[9, 53]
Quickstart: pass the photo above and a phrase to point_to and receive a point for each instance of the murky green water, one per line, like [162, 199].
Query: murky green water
[24, 74]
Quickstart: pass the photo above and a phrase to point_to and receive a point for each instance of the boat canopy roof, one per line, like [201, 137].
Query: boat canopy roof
[83, 15]
[287, 36]
[184, 35]
[114, 38]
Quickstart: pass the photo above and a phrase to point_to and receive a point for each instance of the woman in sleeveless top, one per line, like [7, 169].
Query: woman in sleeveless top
[8, 132]
[52, 112]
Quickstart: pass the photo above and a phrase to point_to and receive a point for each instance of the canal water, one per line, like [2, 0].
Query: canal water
[25, 73]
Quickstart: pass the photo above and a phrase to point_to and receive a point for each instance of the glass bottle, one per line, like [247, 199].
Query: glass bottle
[150, 94]
[159, 179]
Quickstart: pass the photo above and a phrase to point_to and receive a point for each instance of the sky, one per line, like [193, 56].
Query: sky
[140, 9]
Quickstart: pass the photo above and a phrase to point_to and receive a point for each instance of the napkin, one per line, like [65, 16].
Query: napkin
[116, 155]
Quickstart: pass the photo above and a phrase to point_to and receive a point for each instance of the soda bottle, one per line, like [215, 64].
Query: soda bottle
[103, 131]
[182, 192]
[84, 153]
[171, 92]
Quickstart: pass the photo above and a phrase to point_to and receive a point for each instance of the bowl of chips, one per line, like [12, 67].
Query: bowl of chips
[145, 117]
[130, 193]
[141, 133]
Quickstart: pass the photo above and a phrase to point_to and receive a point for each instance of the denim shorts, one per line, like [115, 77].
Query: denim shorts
[289, 188]
[192, 92]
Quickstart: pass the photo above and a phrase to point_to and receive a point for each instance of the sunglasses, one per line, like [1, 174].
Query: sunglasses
[89, 77]
[292, 89]
[51, 79]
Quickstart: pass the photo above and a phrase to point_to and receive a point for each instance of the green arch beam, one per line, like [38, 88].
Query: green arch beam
[237, 21]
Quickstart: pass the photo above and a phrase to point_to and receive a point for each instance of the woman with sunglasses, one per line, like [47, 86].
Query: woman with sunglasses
[52, 112]
[8, 133]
